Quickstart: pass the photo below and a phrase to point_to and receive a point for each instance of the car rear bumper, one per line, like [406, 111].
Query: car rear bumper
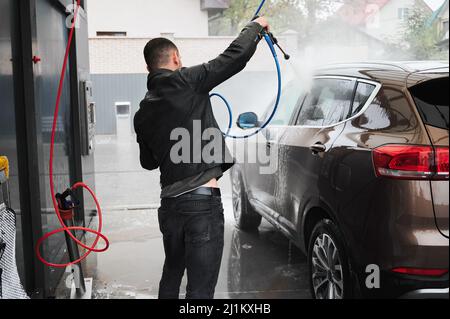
[400, 286]
[427, 294]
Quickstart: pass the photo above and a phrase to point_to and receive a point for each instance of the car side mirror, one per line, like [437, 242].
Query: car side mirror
[247, 121]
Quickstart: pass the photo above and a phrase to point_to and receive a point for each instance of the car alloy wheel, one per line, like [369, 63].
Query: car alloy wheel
[327, 272]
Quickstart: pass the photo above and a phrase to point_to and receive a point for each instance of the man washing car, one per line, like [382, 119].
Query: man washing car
[191, 213]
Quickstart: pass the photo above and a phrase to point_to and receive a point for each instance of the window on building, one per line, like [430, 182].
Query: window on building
[445, 30]
[111, 34]
[403, 13]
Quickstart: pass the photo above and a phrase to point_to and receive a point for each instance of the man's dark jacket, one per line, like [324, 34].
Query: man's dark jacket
[177, 98]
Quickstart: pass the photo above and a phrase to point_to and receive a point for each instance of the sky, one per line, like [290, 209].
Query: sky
[434, 4]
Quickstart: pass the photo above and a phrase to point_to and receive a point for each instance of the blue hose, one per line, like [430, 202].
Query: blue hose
[261, 5]
[230, 111]
[277, 101]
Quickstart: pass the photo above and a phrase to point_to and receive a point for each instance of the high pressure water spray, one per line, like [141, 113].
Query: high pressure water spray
[272, 41]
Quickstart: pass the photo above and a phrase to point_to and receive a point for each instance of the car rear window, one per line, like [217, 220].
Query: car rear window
[432, 101]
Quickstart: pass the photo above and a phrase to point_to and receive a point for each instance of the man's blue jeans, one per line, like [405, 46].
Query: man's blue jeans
[193, 230]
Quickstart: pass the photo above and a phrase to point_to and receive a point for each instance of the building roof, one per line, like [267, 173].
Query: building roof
[357, 14]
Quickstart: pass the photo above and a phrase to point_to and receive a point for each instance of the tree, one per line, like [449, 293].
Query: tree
[315, 8]
[298, 15]
[421, 37]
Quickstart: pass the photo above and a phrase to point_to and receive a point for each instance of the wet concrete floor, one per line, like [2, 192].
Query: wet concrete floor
[254, 265]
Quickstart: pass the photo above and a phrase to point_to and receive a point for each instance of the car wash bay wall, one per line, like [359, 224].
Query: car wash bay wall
[37, 28]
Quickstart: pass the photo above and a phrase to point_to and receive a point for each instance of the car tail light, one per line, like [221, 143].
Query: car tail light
[411, 162]
[442, 162]
[420, 272]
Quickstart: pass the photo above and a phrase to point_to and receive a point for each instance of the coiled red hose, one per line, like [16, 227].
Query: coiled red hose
[64, 228]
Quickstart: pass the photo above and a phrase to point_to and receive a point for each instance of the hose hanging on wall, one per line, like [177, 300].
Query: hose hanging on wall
[80, 185]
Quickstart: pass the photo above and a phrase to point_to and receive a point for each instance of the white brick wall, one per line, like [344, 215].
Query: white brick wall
[125, 55]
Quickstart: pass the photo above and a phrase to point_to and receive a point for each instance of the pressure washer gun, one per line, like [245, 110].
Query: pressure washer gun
[274, 40]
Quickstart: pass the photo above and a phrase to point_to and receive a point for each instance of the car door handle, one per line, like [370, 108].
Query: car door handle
[269, 144]
[318, 148]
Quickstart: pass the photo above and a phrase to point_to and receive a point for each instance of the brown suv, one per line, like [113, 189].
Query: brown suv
[362, 184]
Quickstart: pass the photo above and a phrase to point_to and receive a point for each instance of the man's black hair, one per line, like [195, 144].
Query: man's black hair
[157, 52]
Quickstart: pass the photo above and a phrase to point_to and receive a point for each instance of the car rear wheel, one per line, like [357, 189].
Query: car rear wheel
[328, 263]
[246, 218]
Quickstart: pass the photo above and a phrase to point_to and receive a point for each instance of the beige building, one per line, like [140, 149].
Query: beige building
[441, 18]
[382, 19]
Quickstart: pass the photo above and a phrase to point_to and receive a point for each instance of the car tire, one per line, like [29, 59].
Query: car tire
[246, 218]
[329, 277]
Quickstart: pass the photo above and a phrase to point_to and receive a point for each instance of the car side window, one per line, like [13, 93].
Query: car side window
[362, 95]
[327, 103]
[289, 100]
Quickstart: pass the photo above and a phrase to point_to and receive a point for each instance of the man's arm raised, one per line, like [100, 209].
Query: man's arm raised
[207, 76]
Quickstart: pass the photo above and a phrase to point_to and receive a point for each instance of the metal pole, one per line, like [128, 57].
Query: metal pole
[77, 270]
